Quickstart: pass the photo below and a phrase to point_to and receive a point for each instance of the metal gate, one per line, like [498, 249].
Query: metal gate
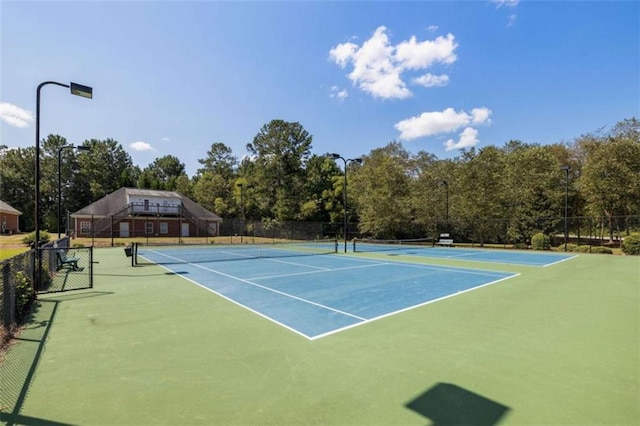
[63, 268]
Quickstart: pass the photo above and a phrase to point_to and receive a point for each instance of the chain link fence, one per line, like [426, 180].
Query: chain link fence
[61, 269]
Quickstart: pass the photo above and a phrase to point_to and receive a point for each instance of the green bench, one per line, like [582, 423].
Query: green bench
[64, 261]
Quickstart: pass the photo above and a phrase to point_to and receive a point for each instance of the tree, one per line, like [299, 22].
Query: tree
[211, 191]
[162, 174]
[107, 168]
[611, 178]
[280, 150]
[319, 195]
[481, 191]
[16, 182]
[381, 188]
[533, 191]
[219, 160]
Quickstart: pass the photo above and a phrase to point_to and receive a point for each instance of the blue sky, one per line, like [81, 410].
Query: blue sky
[175, 77]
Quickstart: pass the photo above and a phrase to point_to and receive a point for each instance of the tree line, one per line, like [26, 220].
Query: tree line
[391, 194]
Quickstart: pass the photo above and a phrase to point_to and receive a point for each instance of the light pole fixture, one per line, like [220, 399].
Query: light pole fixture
[566, 204]
[78, 90]
[335, 156]
[62, 148]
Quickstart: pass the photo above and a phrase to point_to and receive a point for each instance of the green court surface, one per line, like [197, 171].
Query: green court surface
[556, 345]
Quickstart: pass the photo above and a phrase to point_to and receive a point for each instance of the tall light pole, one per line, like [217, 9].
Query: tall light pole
[78, 90]
[335, 156]
[566, 204]
[79, 148]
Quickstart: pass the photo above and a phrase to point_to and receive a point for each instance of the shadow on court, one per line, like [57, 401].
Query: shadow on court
[21, 361]
[447, 404]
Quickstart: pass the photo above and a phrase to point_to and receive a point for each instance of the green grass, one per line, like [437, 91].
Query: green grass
[556, 345]
[6, 253]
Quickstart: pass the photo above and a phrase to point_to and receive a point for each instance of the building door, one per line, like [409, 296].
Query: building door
[185, 230]
[124, 229]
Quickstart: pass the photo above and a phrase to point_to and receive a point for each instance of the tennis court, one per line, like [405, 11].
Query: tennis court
[556, 345]
[511, 257]
[316, 295]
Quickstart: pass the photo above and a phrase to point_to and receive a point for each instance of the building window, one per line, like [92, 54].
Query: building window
[146, 205]
[148, 228]
[85, 227]
[164, 228]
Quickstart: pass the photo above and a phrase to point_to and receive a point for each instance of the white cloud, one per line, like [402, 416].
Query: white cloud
[421, 55]
[378, 65]
[15, 116]
[336, 93]
[507, 3]
[512, 20]
[480, 115]
[468, 138]
[141, 146]
[430, 80]
[432, 28]
[165, 139]
[438, 122]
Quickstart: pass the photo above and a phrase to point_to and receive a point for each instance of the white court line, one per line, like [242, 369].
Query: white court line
[317, 272]
[388, 314]
[269, 289]
[361, 319]
[561, 260]
[235, 302]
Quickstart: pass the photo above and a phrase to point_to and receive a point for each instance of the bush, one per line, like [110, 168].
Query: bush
[601, 250]
[631, 244]
[570, 247]
[521, 246]
[24, 295]
[31, 238]
[540, 242]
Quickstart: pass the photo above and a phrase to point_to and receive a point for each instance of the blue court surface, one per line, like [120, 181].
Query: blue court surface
[319, 295]
[481, 255]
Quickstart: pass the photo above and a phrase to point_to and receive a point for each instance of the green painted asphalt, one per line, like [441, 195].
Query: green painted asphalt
[556, 345]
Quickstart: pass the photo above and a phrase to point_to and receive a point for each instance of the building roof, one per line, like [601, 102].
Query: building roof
[6, 208]
[118, 200]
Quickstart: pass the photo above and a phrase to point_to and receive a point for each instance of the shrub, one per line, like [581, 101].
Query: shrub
[540, 242]
[601, 250]
[78, 245]
[521, 246]
[24, 295]
[31, 238]
[570, 247]
[631, 244]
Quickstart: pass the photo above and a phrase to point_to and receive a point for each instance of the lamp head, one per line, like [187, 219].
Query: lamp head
[80, 90]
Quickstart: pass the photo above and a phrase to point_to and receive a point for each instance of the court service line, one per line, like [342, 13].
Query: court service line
[296, 264]
[317, 272]
[269, 289]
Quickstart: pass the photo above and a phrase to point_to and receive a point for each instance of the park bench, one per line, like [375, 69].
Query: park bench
[64, 261]
[445, 242]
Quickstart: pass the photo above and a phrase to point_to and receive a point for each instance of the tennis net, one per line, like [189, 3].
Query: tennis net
[371, 245]
[166, 254]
